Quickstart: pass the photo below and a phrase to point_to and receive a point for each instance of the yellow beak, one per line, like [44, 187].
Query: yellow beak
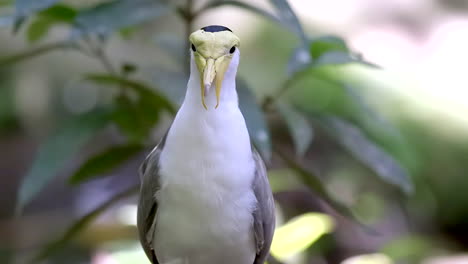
[210, 70]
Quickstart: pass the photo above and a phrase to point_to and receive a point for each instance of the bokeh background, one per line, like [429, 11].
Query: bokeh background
[359, 107]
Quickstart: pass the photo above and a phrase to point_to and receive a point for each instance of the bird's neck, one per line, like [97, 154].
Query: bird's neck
[215, 143]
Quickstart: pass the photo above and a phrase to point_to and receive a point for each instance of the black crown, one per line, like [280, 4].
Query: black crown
[215, 28]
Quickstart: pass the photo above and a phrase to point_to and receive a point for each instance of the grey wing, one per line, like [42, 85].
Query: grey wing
[264, 213]
[147, 205]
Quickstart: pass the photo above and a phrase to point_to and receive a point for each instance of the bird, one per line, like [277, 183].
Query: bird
[205, 197]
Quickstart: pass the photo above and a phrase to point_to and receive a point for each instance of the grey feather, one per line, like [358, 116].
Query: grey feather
[147, 205]
[264, 213]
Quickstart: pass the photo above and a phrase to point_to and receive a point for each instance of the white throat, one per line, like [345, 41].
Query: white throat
[206, 174]
[214, 137]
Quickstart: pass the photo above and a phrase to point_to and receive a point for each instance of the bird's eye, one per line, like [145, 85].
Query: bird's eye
[232, 49]
[193, 48]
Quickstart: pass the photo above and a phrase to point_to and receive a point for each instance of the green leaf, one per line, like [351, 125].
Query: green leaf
[367, 152]
[127, 33]
[299, 127]
[38, 29]
[321, 51]
[284, 180]
[254, 119]
[369, 118]
[411, 248]
[135, 116]
[321, 45]
[58, 244]
[5, 2]
[332, 50]
[56, 151]
[289, 18]
[322, 91]
[105, 162]
[107, 17]
[378, 127]
[143, 90]
[24, 8]
[129, 68]
[46, 19]
[59, 12]
[339, 57]
[335, 57]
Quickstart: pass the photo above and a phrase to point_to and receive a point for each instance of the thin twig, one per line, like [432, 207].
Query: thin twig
[100, 54]
[271, 99]
[35, 52]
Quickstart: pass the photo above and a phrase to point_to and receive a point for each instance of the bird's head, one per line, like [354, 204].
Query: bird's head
[213, 48]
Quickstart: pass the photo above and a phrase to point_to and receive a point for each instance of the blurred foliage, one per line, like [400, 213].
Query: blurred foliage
[56, 151]
[410, 248]
[57, 245]
[7, 115]
[315, 103]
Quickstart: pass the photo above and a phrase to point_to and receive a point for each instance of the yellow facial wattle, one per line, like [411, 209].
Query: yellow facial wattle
[212, 56]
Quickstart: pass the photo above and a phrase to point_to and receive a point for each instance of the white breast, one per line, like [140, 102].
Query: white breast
[206, 200]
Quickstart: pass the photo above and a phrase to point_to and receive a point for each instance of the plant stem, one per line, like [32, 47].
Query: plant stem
[271, 99]
[98, 52]
[34, 52]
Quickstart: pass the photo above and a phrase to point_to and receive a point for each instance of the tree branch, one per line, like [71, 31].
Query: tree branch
[35, 52]
[271, 99]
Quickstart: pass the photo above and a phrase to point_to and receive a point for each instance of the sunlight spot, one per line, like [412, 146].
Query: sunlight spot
[300, 233]
[127, 214]
[368, 259]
